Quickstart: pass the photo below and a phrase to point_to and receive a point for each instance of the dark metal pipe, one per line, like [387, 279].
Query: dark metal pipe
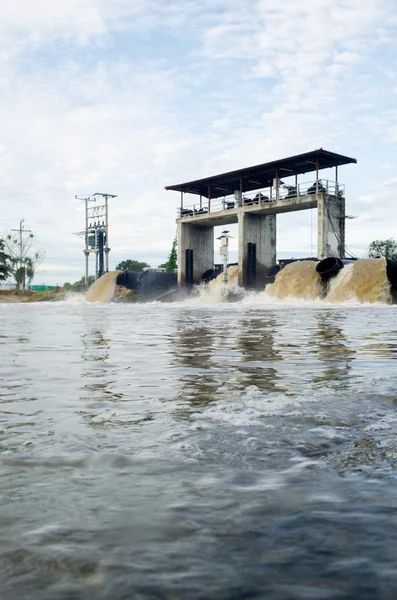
[329, 267]
[391, 271]
[153, 281]
[210, 274]
[271, 273]
[128, 279]
[147, 281]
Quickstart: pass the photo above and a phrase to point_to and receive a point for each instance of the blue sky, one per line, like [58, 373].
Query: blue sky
[128, 96]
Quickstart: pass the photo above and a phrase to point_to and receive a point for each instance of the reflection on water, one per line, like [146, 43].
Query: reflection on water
[239, 355]
[333, 350]
[100, 380]
[193, 451]
[256, 342]
[195, 360]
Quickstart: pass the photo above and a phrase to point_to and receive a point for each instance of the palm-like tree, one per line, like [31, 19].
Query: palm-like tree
[23, 271]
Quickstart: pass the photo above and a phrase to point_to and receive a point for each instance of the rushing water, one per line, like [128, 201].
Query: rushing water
[103, 289]
[364, 280]
[224, 451]
[299, 280]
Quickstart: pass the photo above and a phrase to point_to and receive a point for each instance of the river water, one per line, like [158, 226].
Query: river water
[223, 451]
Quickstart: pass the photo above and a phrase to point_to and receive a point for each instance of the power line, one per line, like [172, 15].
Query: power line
[49, 217]
[63, 218]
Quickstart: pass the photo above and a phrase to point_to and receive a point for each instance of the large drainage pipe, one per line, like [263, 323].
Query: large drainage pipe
[329, 267]
[210, 274]
[391, 271]
[147, 281]
[213, 273]
[128, 279]
[271, 273]
[156, 281]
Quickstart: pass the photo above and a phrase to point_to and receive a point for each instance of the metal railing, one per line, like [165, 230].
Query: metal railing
[285, 192]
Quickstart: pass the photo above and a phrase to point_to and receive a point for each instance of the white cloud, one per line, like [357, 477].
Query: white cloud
[390, 182]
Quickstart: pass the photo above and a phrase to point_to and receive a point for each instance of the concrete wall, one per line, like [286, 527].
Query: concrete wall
[258, 226]
[260, 230]
[331, 226]
[200, 239]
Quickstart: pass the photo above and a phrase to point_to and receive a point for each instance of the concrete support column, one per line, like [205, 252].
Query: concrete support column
[238, 198]
[331, 226]
[200, 239]
[261, 231]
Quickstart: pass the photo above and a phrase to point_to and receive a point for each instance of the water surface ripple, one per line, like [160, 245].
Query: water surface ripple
[192, 451]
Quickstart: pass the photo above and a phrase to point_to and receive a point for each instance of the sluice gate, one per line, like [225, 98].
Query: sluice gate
[252, 198]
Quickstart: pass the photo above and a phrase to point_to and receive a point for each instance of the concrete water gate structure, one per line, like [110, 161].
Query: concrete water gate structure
[252, 197]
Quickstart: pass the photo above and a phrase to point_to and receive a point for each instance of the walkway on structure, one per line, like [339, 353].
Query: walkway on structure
[230, 215]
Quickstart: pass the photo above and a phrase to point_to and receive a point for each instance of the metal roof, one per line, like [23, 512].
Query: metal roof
[261, 176]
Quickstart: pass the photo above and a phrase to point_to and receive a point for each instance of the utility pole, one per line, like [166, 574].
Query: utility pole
[96, 233]
[21, 231]
[85, 234]
[106, 248]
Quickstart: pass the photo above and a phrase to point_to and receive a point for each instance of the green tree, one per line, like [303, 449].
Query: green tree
[131, 265]
[386, 248]
[172, 264]
[5, 270]
[23, 258]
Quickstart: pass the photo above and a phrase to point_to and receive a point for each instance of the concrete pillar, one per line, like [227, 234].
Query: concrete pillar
[331, 226]
[200, 239]
[261, 231]
[238, 198]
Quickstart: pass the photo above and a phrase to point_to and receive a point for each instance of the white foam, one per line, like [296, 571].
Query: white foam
[380, 425]
[328, 432]
[250, 407]
[204, 294]
[74, 298]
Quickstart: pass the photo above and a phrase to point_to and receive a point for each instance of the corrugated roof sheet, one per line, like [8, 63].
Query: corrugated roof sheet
[261, 176]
